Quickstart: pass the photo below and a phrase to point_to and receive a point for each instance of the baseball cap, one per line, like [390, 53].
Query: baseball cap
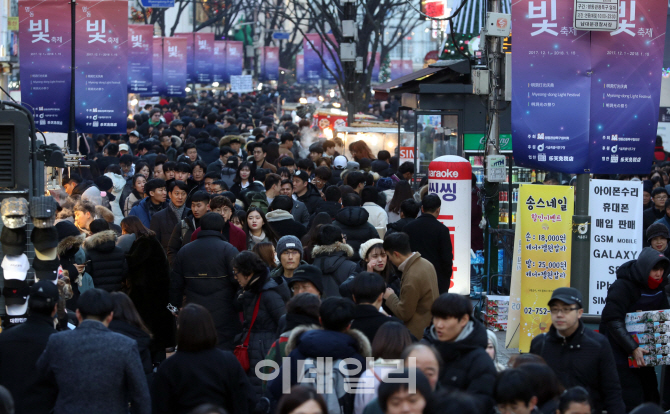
[124, 147]
[16, 297]
[14, 212]
[48, 254]
[46, 269]
[45, 290]
[302, 174]
[13, 241]
[340, 162]
[43, 211]
[353, 165]
[137, 134]
[44, 239]
[568, 295]
[15, 267]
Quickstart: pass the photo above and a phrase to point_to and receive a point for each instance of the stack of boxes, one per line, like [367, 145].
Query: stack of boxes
[651, 330]
[495, 313]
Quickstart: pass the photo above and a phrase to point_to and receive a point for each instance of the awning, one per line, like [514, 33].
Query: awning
[383, 90]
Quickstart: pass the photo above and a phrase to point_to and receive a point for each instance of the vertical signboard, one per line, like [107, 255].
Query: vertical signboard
[158, 83]
[140, 58]
[312, 49]
[450, 177]
[234, 59]
[175, 65]
[202, 61]
[45, 31]
[101, 59]
[219, 62]
[626, 88]
[190, 61]
[616, 209]
[546, 214]
[271, 63]
[300, 68]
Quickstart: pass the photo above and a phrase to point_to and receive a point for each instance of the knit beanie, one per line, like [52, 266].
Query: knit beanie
[289, 242]
[656, 230]
[363, 251]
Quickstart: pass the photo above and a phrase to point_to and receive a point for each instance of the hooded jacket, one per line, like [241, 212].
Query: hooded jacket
[312, 198]
[227, 174]
[353, 221]
[630, 292]
[467, 367]
[330, 207]
[107, 264]
[334, 261]
[283, 224]
[118, 183]
[207, 150]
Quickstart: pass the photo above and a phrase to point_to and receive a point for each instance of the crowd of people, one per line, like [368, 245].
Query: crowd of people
[218, 261]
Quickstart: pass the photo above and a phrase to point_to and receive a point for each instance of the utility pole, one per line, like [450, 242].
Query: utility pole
[349, 62]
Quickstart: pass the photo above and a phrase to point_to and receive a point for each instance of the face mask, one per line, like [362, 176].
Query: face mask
[653, 284]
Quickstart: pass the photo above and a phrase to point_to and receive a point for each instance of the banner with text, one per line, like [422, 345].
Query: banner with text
[140, 58]
[331, 59]
[269, 63]
[191, 76]
[45, 32]
[312, 49]
[175, 65]
[203, 63]
[546, 214]
[234, 59]
[616, 210]
[300, 68]
[219, 62]
[158, 83]
[101, 58]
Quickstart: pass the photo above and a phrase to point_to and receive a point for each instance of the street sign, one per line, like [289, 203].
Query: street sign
[157, 3]
[241, 84]
[281, 35]
[496, 168]
[599, 15]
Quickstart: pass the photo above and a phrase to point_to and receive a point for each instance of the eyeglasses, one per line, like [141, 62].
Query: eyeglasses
[564, 311]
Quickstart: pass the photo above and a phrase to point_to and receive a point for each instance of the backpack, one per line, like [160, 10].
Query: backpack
[329, 382]
[258, 200]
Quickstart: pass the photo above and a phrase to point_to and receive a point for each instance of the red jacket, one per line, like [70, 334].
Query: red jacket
[237, 237]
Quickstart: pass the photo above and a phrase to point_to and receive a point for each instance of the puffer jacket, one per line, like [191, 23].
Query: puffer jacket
[207, 150]
[336, 266]
[274, 295]
[119, 182]
[107, 264]
[353, 221]
[467, 367]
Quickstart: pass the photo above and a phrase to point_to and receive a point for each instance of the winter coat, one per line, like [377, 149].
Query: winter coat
[227, 174]
[300, 213]
[274, 295]
[353, 221]
[378, 216]
[284, 150]
[125, 242]
[107, 265]
[203, 273]
[143, 343]
[266, 166]
[311, 199]
[231, 234]
[583, 359]
[432, 239]
[189, 379]
[397, 226]
[149, 288]
[88, 192]
[145, 210]
[283, 224]
[20, 348]
[118, 183]
[181, 236]
[418, 291]
[164, 222]
[207, 150]
[368, 320]
[334, 261]
[330, 207]
[467, 367]
[630, 292]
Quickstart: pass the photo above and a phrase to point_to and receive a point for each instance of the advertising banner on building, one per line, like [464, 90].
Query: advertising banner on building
[191, 76]
[45, 33]
[616, 210]
[450, 177]
[219, 62]
[175, 65]
[140, 58]
[332, 59]
[234, 59]
[158, 84]
[546, 214]
[101, 59]
[626, 89]
[203, 63]
[374, 66]
[300, 68]
[312, 49]
[269, 64]
[396, 68]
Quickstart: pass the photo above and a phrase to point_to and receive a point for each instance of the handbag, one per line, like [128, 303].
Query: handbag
[242, 351]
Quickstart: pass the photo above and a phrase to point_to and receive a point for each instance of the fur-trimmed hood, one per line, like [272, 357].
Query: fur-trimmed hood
[103, 241]
[70, 242]
[332, 248]
[313, 341]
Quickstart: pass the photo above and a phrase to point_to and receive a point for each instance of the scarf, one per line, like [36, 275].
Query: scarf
[177, 211]
[258, 239]
[653, 284]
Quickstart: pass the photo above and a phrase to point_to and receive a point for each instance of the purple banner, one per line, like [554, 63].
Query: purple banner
[140, 58]
[101, 59]
[219, 62]
[374, 66]
[551, 94]
[234, 59]
[158, 84]
[331, 59]
[174, 65]
[190, 57]
[300, 68]
[204, 48]
[46, 56]
[312, 49]
[626, 88]
[269, 64]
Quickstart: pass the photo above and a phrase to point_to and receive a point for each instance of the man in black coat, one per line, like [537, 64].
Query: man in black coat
[305, 191]
[105, 261]
[368, 292]
[579, 356]
[353, 222]
[659, 196]
[432, 239]
[281, 220]
[164, 222]
[202, 271]
[332, 204]
[409, 209]
[21, 347]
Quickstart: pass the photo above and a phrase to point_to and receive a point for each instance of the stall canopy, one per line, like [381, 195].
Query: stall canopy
[443, 71]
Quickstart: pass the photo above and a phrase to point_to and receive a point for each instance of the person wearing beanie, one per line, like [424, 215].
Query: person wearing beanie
[333, 257]
[646, 195]
[281, 220]
[306, 279]
[657, 237]
[290, 253]
[659, 199]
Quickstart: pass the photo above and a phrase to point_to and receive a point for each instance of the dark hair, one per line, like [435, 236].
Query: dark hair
[133, 225]
[190, 145]
[298, 396]
[354, 178]
[397, 242]
[452, 402]
[199, 163]
[134, 181]
[39, 305]
[305, 164]
[200, 196]
[98, 225]
[516, 361]
[271, 180]
[306, 304]
[513, 386]
[178, 184]
[450, 305]
[266, 227]
[226, 150]
[220, 201]
[139, 166]
[369, 195]
[403, 191]
[212, 221]
[248, 263]
[184, 167]
[410, 208]
[405, 167]
[546, 384]
[208, 409]
[390, 340]
[260, 174]
[336, 313]
[244, 164]
[222, 184]
[112, 149]
[332, 193]
[286, 136]
[388, 388]
[383, 155]
[309, 239]
[659, 190]
[351, 200]
[125, 310]
[286, 161]
[195, 329]
[241, 215]
[113, 168]
[74, 177]
[95, 303]
[323, 173]
[573, 395]
[430, 203]
[282, 203]
[153, 185]
[367, 287]
[169, 166]
[265, 251]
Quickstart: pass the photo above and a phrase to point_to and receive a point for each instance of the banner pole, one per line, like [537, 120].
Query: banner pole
[581, 238]
[72, 133]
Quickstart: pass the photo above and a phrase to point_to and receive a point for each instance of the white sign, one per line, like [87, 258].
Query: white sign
[595, 15]
[241, 84]
[496, 168]
[616, 209]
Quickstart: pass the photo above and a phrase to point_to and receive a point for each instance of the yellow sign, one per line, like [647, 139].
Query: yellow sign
[546, 243]
[13, 24]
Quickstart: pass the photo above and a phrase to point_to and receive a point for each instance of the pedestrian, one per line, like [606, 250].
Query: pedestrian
[656, 212]
[332, 203]
[546, 386]
[243, 178]
[182, 232]
[306, 279]
[200, 373]
[492, 350]
[164, 222]
[84, 214]
[266, 251]
[375, 260]
[425, 358]
[90, 378]
[257, 228]
[402, 192]
[300, 213]
[657, 237]
[409, 210]
[514, 393]
[153, 202]
[377, 215]
[579, 356]
[396, 396]
[575, 400]
[136, 195]
[301, 400]
[128, 322]
[105, 261]
[281, 220]
[368, 292]
[353, 223]
[305, 191]
[235, 236]
[333, 257]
